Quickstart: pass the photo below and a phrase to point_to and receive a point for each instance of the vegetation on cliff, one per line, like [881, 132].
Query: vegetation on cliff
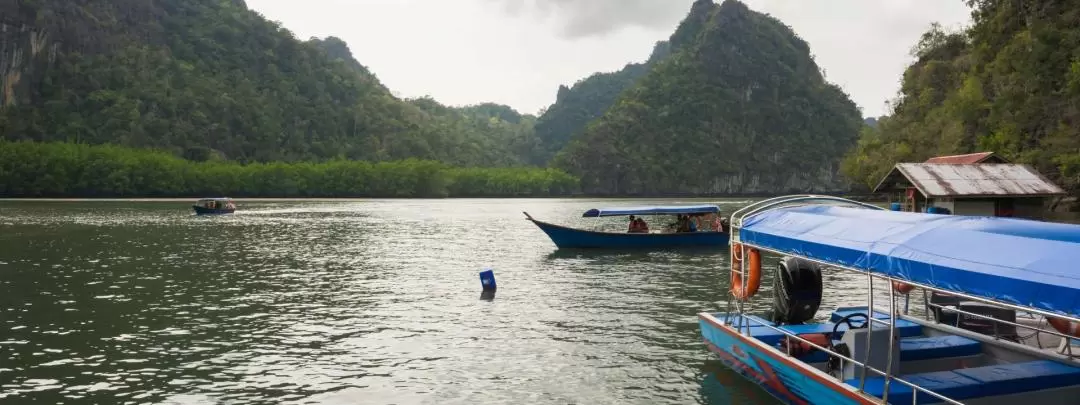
[586, 101]
[1010, 84]
[738, 107]
[59, 169]
[210, 79]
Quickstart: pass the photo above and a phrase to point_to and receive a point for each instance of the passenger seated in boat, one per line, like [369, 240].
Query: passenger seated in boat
[637, 225]
[642, 226]
[691, 224]
[683, 224]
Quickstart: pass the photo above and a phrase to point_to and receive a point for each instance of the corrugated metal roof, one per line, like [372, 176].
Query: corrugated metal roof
[972, 180]
[967, 159]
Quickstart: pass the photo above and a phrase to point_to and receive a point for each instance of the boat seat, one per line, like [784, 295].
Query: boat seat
[841, 312]
[772, 337]
[977, 382]
[936, 347]
[920, 348]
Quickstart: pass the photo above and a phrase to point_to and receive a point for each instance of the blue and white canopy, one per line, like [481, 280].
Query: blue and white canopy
[660, 210]
[1028, 263]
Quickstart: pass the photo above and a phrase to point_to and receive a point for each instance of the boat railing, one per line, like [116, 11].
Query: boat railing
[1066, 349]
[767, 204]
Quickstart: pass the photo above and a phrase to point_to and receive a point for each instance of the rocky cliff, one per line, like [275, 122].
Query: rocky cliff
[738, 107]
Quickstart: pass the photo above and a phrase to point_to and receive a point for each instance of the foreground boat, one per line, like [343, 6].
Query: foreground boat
[214, 206]
[979, 277]
[566, 237]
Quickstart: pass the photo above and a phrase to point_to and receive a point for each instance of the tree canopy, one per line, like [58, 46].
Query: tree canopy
[62, 169]
[586, 101]
[738, 107]
[191, 76]
[1009, 83]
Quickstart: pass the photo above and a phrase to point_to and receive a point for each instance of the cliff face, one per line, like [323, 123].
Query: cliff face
[209, 78]
[34, 33]
[738, 107]
[586, 101]
[25, 52]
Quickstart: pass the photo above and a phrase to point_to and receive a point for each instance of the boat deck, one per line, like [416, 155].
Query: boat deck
[955, 366]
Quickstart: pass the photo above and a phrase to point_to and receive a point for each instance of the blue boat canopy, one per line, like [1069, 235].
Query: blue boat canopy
[662, 210]
[1023, 262]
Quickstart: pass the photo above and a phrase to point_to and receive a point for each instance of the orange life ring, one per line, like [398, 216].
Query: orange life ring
[902, 288]
[1065, 327]
[753, 271]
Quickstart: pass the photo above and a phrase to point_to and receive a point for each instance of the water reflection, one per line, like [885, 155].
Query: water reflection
[722, 385]
[327, 302]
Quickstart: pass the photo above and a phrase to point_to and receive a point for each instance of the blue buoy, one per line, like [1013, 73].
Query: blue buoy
[487, 279]
[894, 206]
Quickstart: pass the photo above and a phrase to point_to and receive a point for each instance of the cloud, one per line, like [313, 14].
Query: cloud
[586, 18]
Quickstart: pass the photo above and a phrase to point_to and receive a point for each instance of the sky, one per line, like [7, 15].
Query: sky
[518, 52]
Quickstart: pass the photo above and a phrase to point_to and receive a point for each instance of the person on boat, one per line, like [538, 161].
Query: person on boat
[642, 227]
[633, 224]
[691, 224]
[682, 223]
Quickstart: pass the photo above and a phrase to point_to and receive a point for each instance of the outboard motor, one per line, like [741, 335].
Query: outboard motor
[973, 323]
[798, 290]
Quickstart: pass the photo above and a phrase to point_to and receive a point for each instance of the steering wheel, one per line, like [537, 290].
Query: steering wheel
[834, 362]
[847, 320]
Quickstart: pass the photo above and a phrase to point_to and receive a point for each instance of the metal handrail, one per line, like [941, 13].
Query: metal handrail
[987, 317]
[738, 216]
[864, 366]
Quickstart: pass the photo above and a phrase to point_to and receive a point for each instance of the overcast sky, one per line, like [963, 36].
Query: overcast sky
[517, 52]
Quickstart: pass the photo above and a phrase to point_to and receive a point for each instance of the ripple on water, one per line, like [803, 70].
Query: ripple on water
[346, 302]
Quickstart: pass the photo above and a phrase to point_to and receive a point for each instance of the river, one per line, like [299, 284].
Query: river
[365, 301]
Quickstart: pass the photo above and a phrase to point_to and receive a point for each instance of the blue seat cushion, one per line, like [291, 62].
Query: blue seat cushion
[919, 348]
[772, 337]
[977, 382]
[936, 347]
[1022, 377]
[947, 383]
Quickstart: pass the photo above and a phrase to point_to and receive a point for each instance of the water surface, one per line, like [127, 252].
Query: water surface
[367, 301]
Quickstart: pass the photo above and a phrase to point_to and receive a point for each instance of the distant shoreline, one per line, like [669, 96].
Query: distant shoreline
[568, 197]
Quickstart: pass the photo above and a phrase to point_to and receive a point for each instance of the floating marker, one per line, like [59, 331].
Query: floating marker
[487, 279]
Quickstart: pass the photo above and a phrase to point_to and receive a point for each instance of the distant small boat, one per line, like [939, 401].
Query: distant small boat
[712, 235]
[214, 206]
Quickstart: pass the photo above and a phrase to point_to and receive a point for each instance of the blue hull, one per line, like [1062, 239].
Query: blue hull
[208, 211]
[564, 237]
[787, 379]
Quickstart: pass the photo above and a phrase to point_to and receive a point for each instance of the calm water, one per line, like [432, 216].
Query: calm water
[351, 302]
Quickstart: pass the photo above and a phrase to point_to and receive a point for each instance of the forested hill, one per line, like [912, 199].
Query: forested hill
[585, 101]
[738, 107]
[211, 79]
[1010, 84]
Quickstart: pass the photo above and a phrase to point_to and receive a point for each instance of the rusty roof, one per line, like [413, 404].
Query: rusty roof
[966, 159]
[971, 180]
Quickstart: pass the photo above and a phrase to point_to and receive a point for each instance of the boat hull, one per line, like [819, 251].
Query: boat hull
[211, 211]
[565, 237]
[788, 380]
